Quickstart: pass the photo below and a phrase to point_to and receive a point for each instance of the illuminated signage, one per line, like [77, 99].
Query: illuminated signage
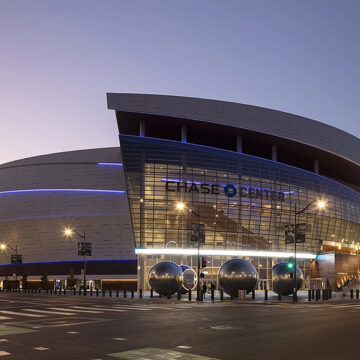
[229, 190]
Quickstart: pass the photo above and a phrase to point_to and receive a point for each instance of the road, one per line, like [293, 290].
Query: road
[34, 326]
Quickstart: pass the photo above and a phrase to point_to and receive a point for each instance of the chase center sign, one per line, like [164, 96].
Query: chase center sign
[229, 190]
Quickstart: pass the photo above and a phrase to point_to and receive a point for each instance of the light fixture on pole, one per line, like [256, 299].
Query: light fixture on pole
[320, 204]
[181, 206]
[17, 260]
[86, 247]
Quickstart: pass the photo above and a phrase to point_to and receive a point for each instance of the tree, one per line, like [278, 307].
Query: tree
[71, 281]
[44, 284]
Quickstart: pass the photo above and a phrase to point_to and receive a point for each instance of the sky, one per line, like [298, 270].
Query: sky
[58, 59]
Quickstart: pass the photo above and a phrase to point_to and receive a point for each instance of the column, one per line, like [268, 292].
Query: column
[239, 144]
[184, 134]
[274, 153]
[316, 166]
[142, 128]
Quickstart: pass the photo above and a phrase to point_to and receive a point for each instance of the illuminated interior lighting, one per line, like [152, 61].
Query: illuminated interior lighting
[212, 252]
[24, 191]
[110, 164]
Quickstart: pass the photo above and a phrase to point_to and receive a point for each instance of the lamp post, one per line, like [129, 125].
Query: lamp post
[3, 248]
[69, 232]
[181, 206]
[320, 205]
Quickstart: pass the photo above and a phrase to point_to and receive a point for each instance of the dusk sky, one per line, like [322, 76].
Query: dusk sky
[59, 58]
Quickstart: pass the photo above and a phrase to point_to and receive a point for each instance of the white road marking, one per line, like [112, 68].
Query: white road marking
[4, 340]
[41, 348]
[77, 310]
[184, 347]
[72, 332]
[119, 339]
[4, 318]
[102, 309]
[49, 312]
[3, 353]
[20, 313]
[132, 308]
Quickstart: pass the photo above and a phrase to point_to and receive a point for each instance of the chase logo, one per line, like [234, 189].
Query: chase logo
[230, 190]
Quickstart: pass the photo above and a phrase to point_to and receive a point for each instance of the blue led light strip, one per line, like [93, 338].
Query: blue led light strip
[69, 261]
[110, 164]
[89, 191]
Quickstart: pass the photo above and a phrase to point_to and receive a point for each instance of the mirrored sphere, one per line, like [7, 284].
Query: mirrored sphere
[237, 274]
[283, 280]
[189, 278]
[165, 278]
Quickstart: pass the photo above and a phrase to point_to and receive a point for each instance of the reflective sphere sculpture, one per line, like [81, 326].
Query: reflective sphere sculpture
[165, 278]
[237, 274]
[283, 281]
[189, 278]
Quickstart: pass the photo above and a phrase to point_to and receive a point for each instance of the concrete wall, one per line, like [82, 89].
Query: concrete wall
[249, 117]
[34, 221]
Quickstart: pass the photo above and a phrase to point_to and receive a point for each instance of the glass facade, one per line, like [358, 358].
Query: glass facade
[244, 202]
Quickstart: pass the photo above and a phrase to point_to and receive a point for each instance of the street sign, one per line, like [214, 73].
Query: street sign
[84, 250]
[290, 233]
[16, 259]
[198, 232]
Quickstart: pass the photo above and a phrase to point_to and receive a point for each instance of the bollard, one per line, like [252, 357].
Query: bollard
[117, 292]
[357, 293]
[97, 292]
[85, 291]
[329, 293]
[317, 295]
[323, 295]
[253, 294]
[124, 293]
[266, 294]
[231, 297]
[151, 293]
[309, 295]
[279, 297]
[55, 292]
[79, 291]
[351, 293]
[64, 291]
[132, 294]
[189, 295]
[179, 295]
[110, 293]
[91, 291]
[103, 292]
[140, 293]
[221, 294]
[51, 291]
[212, 294]
[313, 294]
[59, 291]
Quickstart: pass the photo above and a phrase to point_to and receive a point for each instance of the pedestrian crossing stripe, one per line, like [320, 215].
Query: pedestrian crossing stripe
[77, 310]
[20, 313]
[50, 312]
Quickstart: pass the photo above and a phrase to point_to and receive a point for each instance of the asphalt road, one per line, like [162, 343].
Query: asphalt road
[36, 326]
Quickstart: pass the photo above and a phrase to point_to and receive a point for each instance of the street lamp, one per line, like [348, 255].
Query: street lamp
[69, 232]
[320, 204]
[181, 206]
[3, 247]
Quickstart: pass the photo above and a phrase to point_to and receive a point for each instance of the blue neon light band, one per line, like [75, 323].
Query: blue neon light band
[110, 164]
[68, 261]
[89, 191]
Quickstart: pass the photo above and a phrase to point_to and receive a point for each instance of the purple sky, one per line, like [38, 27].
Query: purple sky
[59, 58]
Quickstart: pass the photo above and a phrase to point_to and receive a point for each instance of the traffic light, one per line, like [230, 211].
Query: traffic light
[204, 261]
[291, 263]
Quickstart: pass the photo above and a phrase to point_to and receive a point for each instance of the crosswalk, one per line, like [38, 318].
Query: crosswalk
[41, 311]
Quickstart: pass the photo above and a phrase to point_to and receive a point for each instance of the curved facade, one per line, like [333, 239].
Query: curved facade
[238, 170]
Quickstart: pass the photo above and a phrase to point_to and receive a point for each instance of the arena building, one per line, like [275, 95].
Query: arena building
[241, 171]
